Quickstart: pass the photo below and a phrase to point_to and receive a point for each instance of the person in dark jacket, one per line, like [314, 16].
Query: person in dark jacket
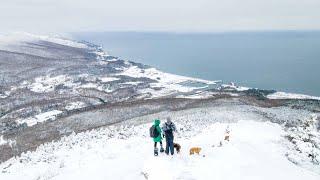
[168, 128]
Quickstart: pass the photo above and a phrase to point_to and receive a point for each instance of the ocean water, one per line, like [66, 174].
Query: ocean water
[284, 60]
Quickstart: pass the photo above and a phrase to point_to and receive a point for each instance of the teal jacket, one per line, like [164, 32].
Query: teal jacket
[157, 125]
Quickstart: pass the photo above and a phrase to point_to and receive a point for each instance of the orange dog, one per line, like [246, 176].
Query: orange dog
[195, 150]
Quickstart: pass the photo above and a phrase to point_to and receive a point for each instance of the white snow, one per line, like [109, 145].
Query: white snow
[255, 151]
[75, 105]
[108, 79]
[198, 95]
[100, 56]
[19, 37]
[8, 142]
[14, 38]
[135, 83]
[154, 74]
[47, 84]
[96, 86]
[284, 95]
[2, 96]
[90, 85]
[2, 141]
[205, 95]
[304, 149]
[168, 83]
[234, 87]
[249, 155]
[62, 41]
[50, 115]
[5, 94]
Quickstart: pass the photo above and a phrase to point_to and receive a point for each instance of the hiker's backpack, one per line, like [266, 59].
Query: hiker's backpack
[153, 131]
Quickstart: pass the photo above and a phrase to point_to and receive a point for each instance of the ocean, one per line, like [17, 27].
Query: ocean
[280, 60]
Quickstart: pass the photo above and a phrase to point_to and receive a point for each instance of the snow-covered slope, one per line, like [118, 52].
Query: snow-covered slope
[257, 150]
[51, 87]
[23, 37]
[41, 74]
[284, 95]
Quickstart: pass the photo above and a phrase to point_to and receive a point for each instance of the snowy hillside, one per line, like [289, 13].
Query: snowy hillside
[257, 150]
[68, 110]
[57, 73]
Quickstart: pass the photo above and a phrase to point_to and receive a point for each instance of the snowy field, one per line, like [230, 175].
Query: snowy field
[284, 95]
[256, 150]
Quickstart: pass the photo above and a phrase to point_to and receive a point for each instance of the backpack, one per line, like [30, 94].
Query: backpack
[153, 131]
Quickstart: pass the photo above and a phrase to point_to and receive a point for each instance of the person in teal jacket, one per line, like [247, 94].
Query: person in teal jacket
[158, 138]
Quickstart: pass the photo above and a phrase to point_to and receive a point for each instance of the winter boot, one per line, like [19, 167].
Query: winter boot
[155, 151]
[161, 149]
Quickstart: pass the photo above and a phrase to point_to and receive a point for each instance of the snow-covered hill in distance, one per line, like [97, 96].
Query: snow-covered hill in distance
[57, 93]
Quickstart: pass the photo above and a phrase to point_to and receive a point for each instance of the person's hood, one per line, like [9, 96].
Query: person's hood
[169, 120]
[157, 122]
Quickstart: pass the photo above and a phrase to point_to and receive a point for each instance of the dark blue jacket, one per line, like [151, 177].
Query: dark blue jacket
[168, 129]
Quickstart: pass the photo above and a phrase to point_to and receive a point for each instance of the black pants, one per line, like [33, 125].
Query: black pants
[155, 144]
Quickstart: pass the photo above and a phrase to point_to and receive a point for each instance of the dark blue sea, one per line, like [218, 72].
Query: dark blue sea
[280, 60]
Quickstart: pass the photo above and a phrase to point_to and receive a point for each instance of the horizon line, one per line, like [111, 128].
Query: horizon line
[198, 32]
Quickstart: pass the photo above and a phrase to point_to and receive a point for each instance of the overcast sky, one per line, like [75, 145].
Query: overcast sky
[158, 15]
